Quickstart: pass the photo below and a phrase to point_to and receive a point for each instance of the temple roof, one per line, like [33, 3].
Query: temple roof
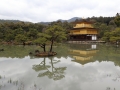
[83, 62]
[83, 28]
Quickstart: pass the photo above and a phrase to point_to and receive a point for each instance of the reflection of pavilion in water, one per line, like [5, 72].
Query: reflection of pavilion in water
[84, 56]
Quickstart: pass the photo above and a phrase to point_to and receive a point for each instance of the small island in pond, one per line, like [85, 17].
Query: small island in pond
[43, 54]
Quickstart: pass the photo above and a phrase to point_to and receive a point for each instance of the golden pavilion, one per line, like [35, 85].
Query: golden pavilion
[83, 31]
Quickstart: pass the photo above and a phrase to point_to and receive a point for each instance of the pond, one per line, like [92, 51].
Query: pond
[75, 67]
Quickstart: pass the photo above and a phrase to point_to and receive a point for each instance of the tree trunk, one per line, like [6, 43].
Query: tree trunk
[23, 43]
[51, 46]
[44, 48]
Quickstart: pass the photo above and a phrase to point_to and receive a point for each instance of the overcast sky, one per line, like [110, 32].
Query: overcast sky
[51, 10]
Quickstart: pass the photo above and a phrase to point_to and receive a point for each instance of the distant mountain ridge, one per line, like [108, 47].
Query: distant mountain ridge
[69, 20]
[46, 23]
[12, 21]
[73, 19]
[3, 21]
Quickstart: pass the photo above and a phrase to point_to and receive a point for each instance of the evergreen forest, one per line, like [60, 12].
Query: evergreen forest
[20, 32]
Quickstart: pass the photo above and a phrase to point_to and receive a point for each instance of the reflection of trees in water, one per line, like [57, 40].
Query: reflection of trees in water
[56, 73]
[108, 53]
[16, 51]
[62, 50]
[20, 51]
[80, 46]
[41, 66]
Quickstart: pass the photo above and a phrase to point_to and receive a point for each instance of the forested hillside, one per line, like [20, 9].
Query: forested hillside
[109, 27]
[26, 32]
[15, 31]
[3, 21]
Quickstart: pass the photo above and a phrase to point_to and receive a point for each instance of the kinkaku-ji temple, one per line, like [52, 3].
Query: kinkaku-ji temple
[83, 31]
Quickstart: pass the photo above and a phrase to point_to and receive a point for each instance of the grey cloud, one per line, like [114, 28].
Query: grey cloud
[50, 10]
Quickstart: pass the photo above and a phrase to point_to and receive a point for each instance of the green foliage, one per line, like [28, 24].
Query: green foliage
[117, 19]
[18, 31]
[9, 31]
[101, 19]
[42, 40]
[53, 33]
[56, 34]
[32, 34]
[21, 38]
[106, 36]
[9, 35]
[103, 28]
[112, 39]
[112, 36]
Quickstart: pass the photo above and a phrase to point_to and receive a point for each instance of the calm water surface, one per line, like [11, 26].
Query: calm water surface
[75, 67]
